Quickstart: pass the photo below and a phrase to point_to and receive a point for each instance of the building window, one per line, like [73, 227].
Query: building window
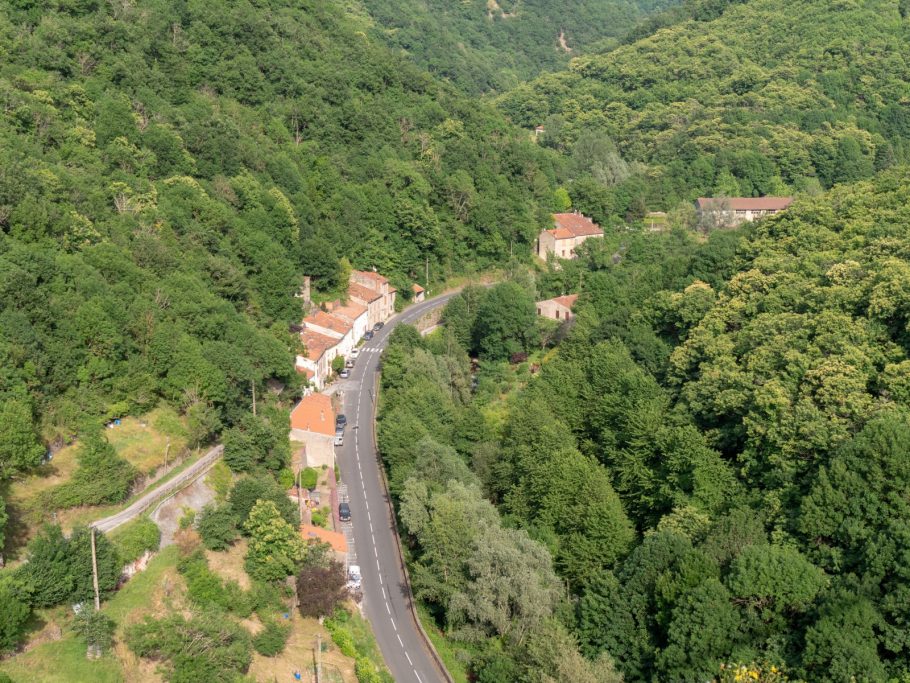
[557, 314]
[538, 311]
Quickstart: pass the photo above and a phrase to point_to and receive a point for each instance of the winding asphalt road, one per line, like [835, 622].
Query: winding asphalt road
[387, 595]
[142, 504]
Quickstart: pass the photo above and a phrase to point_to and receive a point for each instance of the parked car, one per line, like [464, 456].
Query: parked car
[344, 374]
[355, 353]
[368, 335]
[378, 326]
[349, 363]
[339, 437]
[340, 421]
[344, 512]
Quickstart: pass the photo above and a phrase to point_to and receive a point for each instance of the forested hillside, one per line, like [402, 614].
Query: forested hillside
[493, 45]
[714, 456]
[755, 98]
[169, 170]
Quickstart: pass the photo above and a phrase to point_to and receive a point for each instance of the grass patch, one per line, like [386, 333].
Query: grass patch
[143, 441]
[454, 655]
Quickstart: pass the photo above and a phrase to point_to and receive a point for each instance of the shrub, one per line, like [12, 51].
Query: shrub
[96, 628]
[366, 671]
[265, 597]
[59, 568]
[285, 479]
[272, 639]
[250, 489]
[309, 477]
[204, 648]
[320, 589]
[188, 518]
[14, 613]
[341, 637]
[206, 589]
[134, 538]
[320, 518]
[217, 525]
[102, 477]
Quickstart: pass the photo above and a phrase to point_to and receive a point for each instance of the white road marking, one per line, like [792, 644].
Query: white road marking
[399, 639]
[375, 552]
[418, 676]
[409, 658]
[387, 608]
[394, 626]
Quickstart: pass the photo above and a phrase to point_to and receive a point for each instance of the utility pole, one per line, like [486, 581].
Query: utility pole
[299, 497]
[95, 573]
[253, 385]
[318, 658]
[167, 450]
[426, 279]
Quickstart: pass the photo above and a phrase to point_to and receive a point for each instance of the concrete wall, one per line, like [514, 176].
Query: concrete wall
[554, 310]
[320, 449]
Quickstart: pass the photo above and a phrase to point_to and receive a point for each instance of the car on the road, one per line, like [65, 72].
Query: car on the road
[339, 438]
[349, 363]
[378, 326]
[340, 421]
[344, 512]
[355, 352]
[368, 335]
[344, 374]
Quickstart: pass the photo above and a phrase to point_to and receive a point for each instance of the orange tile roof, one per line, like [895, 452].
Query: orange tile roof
[577, 224]
[316, 534]
[561, 233]
[314, 413]
[747, 203]
[349, 311]
[306, 371]
[376, 277]
[316, 344]
[568, 300]
[417, 289]
[329, 321]
[356, 291]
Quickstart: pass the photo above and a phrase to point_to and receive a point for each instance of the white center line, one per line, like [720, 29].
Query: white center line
[409, 658]
[399, 639]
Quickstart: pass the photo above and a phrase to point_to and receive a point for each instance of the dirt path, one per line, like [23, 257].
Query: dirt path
[167, 515]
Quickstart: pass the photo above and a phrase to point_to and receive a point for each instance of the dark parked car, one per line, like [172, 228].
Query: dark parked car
[344, 512]
[368, 335]
[341, 420]
[378, 326]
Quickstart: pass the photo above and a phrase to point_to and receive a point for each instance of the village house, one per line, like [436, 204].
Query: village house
[419, 293]
[333, 326]
[354, 313]
[369, 298]
[378, 284]
[732, 211]
[313, 425]
[557, 308]
[321, 350]
[569, 232]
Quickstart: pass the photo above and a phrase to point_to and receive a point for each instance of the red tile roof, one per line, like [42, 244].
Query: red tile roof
[417, 289]
[316, 534]
[568, 300]
[349, 311]
[746, 203]
[362, 293]
[314, 413]
[577, 224]
[316, 344]
[372, 275]
[328, 321]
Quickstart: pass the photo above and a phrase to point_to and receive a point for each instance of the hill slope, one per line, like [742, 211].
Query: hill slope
[483, 45]
[169, 170]
[768, 97]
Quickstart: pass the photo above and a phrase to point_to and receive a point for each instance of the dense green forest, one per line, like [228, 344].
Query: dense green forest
[714, 456]
[757, 98]
[494, 45]
[171, 169]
